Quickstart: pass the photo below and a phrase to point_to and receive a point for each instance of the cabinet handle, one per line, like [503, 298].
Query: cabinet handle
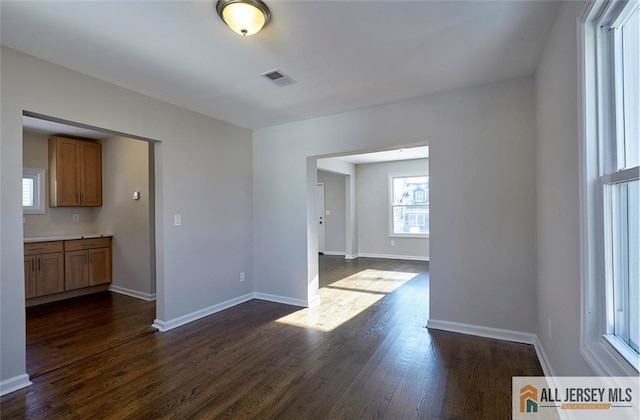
[39, 264]
[33, 264]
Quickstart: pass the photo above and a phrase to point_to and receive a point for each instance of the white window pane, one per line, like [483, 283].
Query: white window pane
[623, 233]
[411, 219]
[631, 91]
[27, 192]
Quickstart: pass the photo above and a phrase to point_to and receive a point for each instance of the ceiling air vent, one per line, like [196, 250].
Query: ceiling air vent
[278, 77]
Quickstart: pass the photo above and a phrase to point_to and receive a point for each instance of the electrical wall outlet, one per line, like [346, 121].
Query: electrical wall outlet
[242, 276]
[75, 217]
[177, 220]
[393, 243]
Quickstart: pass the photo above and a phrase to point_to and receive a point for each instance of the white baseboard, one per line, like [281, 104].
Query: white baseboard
[499, 334]
[149, 297]
[336, 253]
[163, 326]
[282, 299]
[395, 257]
[351, 257]
[13, 384]
[488, 332]
[543, 359]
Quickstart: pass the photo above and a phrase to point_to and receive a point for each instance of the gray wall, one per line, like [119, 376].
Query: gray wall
[558, 197]
[125, 168]
[56, 221]
[482, 174]
[373, 211]
[335, 227]
[203, 171]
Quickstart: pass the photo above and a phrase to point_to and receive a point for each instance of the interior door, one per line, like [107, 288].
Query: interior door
[320, 215]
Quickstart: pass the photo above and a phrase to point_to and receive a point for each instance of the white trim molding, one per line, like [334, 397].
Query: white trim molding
[284, 299]
[498, 334]
[605, 361]
[543, 359]
[480, 331]
[149, 297]
[13, 384]
[336, 253]
[395, 257]
[351, 256]
[163, 326]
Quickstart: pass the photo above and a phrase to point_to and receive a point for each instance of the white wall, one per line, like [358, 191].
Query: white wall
[482, 176]
[334, 202]
[558, 187]
[56, 220]
[373, 211]
[203, 171]
[125, 169]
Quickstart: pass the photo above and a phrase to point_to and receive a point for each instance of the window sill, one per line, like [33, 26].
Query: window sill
[605, 360]
[409, 235]
[622, 350]
[34, 211]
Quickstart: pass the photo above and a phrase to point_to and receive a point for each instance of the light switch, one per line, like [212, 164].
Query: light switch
[177, 220]
[136, 195]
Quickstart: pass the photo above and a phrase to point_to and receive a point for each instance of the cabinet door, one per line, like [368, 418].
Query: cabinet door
[67, 156]
[91, 174]
[99, 266]
[30, 276]
[76, 270]
[50, 274]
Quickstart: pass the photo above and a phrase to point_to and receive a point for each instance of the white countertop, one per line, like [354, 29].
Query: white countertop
[66, 237]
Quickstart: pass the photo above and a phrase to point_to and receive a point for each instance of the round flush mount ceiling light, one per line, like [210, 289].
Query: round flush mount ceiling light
[245, 17]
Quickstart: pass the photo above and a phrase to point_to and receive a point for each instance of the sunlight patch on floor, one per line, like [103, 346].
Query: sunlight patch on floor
[346, 298]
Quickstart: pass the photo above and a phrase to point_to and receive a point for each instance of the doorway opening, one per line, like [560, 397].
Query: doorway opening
[75, 320]
[358, 219]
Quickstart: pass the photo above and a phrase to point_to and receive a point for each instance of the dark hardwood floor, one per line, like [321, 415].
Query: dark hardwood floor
[61, 333]
[363, 353]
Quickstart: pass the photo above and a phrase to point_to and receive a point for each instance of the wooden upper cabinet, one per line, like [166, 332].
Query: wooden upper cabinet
[75, 173]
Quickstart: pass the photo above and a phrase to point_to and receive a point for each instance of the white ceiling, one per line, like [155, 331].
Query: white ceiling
[343, 54]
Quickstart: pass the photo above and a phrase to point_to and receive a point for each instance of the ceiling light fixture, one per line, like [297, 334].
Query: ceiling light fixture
[245, 17]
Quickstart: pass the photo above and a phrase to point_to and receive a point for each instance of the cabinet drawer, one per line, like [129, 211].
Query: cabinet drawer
[80, 244]
[42, 247]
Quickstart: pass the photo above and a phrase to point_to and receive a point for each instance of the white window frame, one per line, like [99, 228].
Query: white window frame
[605, 353]
[392, 234]
[39, 194]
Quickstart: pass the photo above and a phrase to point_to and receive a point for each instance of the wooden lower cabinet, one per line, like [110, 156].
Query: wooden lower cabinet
[59, 266]
[99, 266]
[43, 268]
[76, 268]
[30, 276]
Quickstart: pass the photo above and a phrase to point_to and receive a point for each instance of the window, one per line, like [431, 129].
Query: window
[33, 201]
[409, 205]
[611, 172]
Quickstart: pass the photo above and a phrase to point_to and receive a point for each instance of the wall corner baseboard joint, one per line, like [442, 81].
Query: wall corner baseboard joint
[13, 384]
